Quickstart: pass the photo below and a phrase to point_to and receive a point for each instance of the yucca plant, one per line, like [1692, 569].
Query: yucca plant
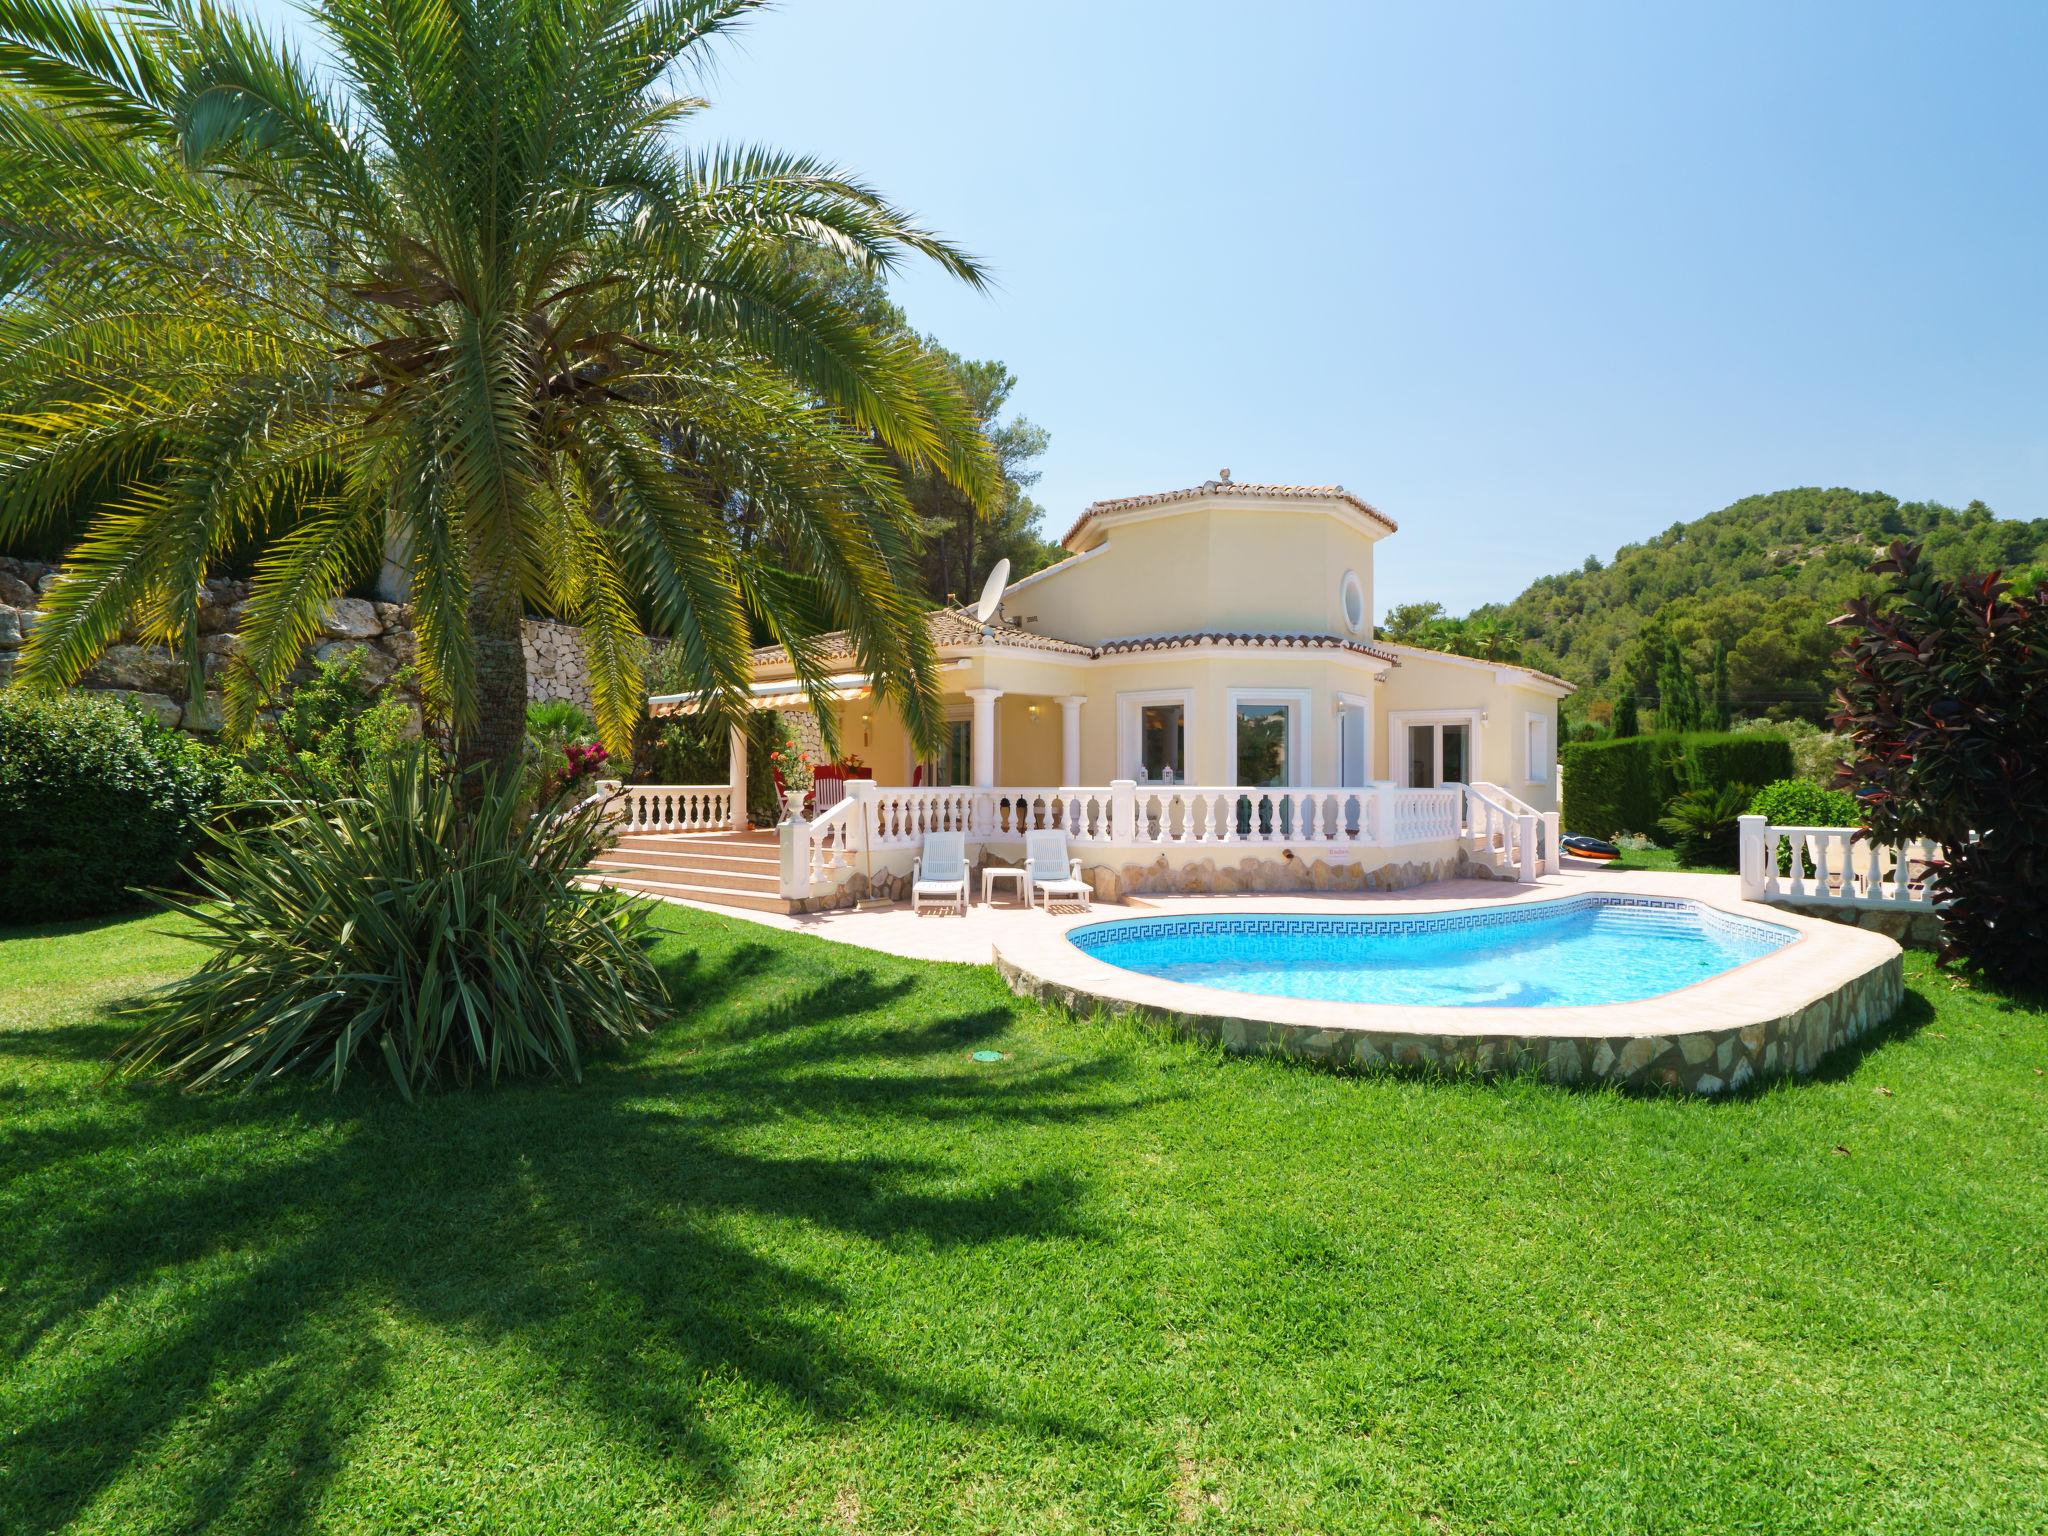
[451, 943]
[463, 299]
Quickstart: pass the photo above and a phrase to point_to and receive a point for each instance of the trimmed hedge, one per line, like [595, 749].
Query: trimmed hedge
[94, 799]
[1627, 785]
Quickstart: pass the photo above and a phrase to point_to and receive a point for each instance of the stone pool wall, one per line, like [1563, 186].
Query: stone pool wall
[1708, 1061]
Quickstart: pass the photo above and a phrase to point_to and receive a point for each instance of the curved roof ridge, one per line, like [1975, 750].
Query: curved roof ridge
[1255, 490]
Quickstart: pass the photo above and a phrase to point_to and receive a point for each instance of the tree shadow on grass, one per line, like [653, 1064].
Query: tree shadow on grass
[207, 1297]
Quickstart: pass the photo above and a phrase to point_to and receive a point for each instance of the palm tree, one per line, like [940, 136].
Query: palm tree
[461, 296]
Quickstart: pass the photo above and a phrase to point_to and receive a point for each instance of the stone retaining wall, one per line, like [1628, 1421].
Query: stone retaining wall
[153, 679]
[1916, 928]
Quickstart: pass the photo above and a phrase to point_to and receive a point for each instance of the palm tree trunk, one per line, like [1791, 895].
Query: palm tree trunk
[497, 742]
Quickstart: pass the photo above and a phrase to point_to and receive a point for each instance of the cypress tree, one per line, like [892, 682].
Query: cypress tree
[1723, 712]
[1625, 713]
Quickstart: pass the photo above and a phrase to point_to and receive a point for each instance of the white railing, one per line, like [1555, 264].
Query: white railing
[673, 807]
[830, 842]
[884, 818]
[1833, 865]
[1504, 825]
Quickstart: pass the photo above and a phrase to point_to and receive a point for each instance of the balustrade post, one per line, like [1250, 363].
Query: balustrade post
[1750, 854]
[1123, 812]
[1376, 805]
[793, 835]
[1525, 845]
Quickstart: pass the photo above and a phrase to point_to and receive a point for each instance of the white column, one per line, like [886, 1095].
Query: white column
[984, 735]
[736, 776]
[1070, 738]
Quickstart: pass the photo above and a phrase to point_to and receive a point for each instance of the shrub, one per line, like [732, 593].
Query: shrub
[1701, 823]
[1947, 701]
[448, 941]
[95, 799]
[334, 734]
[1713, 759]
[558, 723]
[1803, 803]
[1630, 782]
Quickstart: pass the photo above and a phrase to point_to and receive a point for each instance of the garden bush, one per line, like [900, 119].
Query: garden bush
[1947, 701]
[1803, 803]
[96, 799]
[334, 733]
[1714, 759]
[1630, 782]
[441, 934]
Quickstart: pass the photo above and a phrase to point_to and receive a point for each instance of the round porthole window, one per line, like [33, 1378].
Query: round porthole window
[1351, 592]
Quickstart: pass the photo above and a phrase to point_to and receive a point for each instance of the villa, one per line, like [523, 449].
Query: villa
[1194, 694]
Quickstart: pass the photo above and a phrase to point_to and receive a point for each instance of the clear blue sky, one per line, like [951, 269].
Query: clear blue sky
[1536, 280]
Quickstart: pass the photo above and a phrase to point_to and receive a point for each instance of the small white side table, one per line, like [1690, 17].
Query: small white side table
[991, 873]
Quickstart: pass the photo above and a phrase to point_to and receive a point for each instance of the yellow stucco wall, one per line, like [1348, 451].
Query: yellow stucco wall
[1207, 566]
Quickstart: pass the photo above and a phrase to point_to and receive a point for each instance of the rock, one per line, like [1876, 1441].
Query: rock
[374, 667]
[166, 709]
[137, 668]
[6, 668]
[351, 618]
[47, 580]
[205, 716]
[220, 652]
[15, 592]
[400, 645]
[10, 628]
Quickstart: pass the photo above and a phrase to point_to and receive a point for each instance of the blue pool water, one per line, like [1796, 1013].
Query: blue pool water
[1587, 949]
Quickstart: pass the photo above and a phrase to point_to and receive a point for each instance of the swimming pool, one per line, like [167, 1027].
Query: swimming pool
[1571, 953]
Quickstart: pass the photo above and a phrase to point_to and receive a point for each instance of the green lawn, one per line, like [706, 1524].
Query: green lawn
[800, 1264]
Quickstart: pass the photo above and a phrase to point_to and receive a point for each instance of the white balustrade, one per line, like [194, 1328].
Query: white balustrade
[673, 808]
[1124, 815]
[1833, 866]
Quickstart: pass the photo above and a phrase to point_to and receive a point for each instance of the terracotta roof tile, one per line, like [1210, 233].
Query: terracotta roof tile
[949, 627]
[1246, 640]
[1231, 488]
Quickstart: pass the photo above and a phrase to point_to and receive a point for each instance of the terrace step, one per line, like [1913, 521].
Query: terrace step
[728, 869]
[628, 867]
[754, 901]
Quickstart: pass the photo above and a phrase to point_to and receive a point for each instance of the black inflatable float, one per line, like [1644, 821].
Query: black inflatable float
[1589, 848]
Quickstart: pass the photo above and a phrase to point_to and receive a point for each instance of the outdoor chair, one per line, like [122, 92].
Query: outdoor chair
[938, 876]
[1049, 875]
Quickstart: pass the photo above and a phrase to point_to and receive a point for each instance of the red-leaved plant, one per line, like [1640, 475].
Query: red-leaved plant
[1947, 704]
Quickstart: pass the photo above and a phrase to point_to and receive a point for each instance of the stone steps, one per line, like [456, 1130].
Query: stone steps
[728, 869]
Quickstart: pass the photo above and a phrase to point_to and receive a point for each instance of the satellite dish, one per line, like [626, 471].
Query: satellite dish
[991, 599]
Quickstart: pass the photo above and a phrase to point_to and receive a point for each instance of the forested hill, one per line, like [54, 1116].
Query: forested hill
[1763, 576]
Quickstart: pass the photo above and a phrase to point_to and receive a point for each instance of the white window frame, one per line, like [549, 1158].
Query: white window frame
[1398, 721]
[1351, 582]
[1297, 702]
[1363, 705]
[1536, 764]
[1129, 717]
